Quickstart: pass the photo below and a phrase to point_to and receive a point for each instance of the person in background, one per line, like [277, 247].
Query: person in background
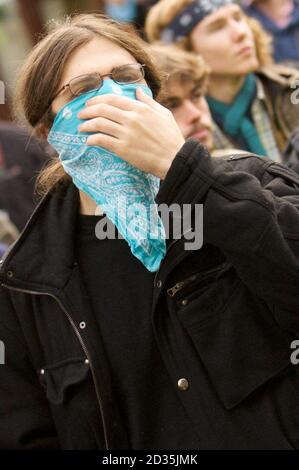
[249, 96]
[8, 232]
[3, 249]
[129, 11]
[21, 158]
[281, 19]
[291, 154]
[183, 91]
[121, 10]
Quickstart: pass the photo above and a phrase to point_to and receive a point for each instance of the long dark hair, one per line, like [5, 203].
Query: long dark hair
[41, 73]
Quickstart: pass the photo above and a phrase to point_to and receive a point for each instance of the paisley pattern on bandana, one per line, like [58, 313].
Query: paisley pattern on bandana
[125, 193]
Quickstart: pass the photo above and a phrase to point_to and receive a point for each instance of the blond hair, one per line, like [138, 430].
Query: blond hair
[40, 75]
[163, 12]
[180, 66]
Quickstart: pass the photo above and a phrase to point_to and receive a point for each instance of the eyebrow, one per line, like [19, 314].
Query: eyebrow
[217, 22]
[100, 73]
[167, 98]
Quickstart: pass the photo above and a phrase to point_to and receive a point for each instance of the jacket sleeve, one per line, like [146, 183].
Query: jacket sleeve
[25, 418]
[256, 226]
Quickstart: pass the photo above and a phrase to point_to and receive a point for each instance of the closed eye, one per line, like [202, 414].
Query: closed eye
[172, 103]
[216, 25]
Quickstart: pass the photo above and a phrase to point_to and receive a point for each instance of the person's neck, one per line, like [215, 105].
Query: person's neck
[225, 88]
[87, 205]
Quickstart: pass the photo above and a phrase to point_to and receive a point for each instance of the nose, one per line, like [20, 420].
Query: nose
[192, 111]
[238, 30]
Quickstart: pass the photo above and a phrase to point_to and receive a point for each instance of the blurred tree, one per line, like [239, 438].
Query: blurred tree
[4, 107]
[31, 14]
[84, 5]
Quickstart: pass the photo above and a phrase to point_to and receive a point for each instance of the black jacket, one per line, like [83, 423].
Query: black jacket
[227, 330]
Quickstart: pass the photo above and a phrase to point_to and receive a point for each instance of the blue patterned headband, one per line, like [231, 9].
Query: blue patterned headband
[189, 17]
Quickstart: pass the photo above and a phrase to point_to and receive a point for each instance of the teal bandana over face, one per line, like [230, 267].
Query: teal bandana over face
[125, 193]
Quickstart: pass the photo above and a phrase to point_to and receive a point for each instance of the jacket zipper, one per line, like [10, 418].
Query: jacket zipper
[82, 344]
[168, 249]
[179, 285]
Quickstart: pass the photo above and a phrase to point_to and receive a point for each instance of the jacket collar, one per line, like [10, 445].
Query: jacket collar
[44, 254]
[278, 74]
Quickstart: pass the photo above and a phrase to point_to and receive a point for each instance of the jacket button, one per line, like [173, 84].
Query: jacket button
[9, 274]
[42, 371]
[86, 361]
[184, 302]
[183, 384]
[159, 284]
[82, 325]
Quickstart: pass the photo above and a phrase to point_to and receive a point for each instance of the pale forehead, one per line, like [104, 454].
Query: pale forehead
[181, 88]
[99, 55]
[221, 13]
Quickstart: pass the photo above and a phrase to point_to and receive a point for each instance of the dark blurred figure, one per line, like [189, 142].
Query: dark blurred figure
[129, 11]
[142, 10]
[291, 154]
[281, 19]
[3, 248]
[21, 158]
[8, 232]
[32, 16]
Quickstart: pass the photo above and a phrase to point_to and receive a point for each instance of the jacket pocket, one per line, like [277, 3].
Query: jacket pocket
[240, 345]
[202, 295]
[61, 378]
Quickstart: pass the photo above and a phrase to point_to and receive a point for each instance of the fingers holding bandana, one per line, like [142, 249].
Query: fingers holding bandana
[126, 193]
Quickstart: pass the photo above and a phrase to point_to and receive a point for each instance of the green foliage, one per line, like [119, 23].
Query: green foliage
[2, 19]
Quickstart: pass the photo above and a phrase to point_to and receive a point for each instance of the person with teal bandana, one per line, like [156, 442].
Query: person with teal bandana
[250, 97]
[144, 342]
